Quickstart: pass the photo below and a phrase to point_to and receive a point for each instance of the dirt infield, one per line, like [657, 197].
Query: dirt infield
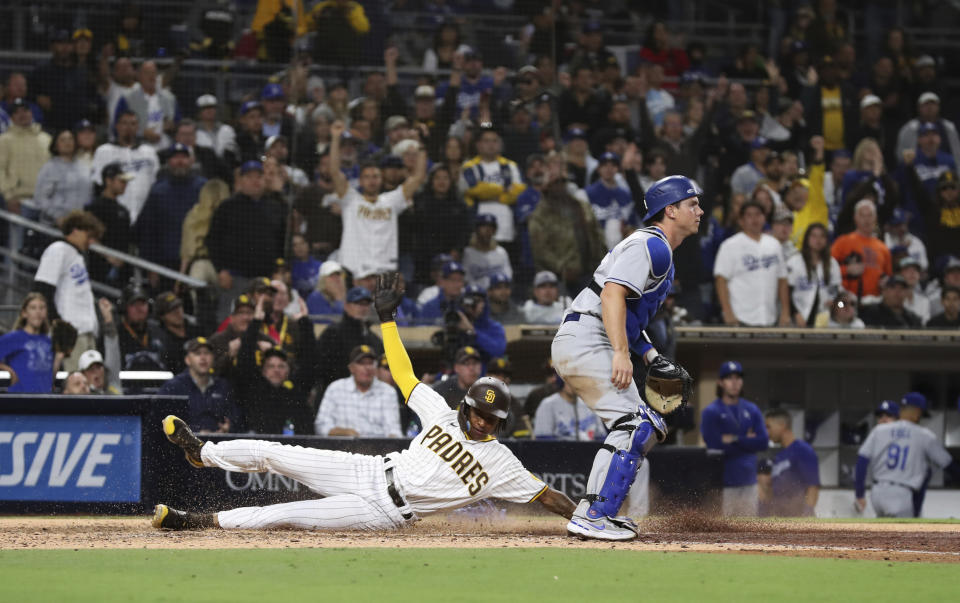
[878, 541]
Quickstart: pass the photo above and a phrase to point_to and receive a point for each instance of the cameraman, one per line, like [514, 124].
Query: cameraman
[451, 288]
[481, 330]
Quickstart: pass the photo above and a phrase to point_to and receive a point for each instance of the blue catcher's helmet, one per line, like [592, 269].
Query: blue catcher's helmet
[668, 191]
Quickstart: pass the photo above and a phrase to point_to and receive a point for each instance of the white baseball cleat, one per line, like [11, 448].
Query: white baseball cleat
[602, 528]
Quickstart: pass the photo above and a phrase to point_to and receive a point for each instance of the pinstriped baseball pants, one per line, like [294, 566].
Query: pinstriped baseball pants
[354, 487]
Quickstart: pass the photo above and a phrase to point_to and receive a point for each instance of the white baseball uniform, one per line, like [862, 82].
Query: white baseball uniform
[900, 454]
[441, 469]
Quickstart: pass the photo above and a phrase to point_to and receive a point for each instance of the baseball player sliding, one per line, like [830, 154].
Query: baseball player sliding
[456, 460]
[591, 352]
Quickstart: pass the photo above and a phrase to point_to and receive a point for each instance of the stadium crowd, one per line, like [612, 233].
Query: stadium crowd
[829, 171]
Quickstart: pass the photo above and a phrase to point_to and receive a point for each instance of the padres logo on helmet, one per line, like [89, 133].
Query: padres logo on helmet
[489, 396]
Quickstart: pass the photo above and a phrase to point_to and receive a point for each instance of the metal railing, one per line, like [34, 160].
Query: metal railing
[136, 262]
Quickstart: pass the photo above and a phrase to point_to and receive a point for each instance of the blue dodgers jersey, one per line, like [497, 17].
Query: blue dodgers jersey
[794, 469]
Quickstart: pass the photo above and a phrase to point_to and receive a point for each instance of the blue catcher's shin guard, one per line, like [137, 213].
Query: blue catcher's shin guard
[621, 473]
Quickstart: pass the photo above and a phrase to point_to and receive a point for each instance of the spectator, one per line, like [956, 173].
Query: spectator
[657, 50]
[491, 184]
[796, 470]
[843, 313]
[547, 305]
[450, 289]
[85, 134]
[137, 158]
[950, 317]
[212, 134]
[928, 161]
[915, 300]
[502, 307]
[26, 352]
[746, 178]
[579, 105]
[272, 395]
[205, 160]
[734, 426]
[276, 122]
[659, 100]
[564, 416]
[814, 278]
[863, 258]
[928, 110]
[24, 148]
[830, 107]
[477, 327]
[17, 88]
[211, 407]
[118, 234]
[736, 144]
[63, 183]
[872, 125]
[76, 384]
[250, 137]
[305, 269]
[370, 241]
[337, 340]
[483, 257]
[115, 83]
[278, 149]
[612, 204]
[340, 26]
[141, 341]
[251, 220]
[171, 198]
[564, 236]
[467, 368]
[806, 198]
[751, 274]
[898, 235]
[330, 293]
[103, 370]
[590, 52]
[359, 405]
[580, 164]
[781, 229]
[226, 342]
[63, 280]
[62, 87]
[194, 256]
[154, 107]
[441, 220]
[890, 312]
[175, 331]
[941, 212]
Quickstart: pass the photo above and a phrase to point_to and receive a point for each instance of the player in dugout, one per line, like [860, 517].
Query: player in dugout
[456, 460]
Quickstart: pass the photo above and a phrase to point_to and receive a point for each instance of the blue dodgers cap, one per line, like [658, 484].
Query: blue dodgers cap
[573, 134]
[485, 219]
[888, 407]
[358, 294]
[668, 191]
[499, 278]
[592, 26]
[926, 128]
[609, 157]
[177, 147]
[250, 106]
[272, 92]
[730, 367]
[391, 161]
[451, 267]
[251, 166]
[84, 124]
[897, 217]
[759, 143]
[842, 154]
[473, 291]
[914, 399]
[439, 260]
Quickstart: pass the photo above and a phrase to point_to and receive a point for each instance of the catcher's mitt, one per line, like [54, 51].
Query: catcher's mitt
[667, 385]
[64, 336]
[388, 296]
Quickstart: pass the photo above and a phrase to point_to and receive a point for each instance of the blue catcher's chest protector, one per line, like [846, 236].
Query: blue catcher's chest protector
[641, 310]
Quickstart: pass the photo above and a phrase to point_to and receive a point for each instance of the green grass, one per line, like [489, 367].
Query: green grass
[456, 575]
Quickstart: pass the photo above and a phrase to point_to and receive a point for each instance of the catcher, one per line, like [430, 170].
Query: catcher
[591, 352]
[456, 460]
